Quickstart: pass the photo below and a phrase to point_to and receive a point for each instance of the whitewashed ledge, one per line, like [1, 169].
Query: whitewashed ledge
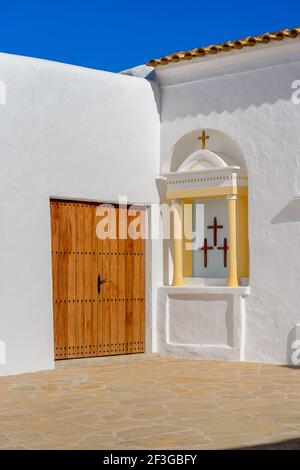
[192, 289]
[202, 322]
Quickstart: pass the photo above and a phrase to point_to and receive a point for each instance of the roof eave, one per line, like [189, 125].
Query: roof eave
[226, 47]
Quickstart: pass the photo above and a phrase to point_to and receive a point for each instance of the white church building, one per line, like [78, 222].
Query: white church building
[212, 133]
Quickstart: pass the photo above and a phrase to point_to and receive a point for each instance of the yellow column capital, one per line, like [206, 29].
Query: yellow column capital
[229, 197]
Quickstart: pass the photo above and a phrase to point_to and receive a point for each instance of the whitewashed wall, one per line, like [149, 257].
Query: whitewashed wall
[247, 95]
[67, 132]
[76, 133]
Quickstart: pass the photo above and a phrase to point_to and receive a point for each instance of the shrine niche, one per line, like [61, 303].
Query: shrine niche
[220, 186]
[209, 261]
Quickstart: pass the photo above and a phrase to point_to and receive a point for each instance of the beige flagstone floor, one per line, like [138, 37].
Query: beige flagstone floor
[151, 402]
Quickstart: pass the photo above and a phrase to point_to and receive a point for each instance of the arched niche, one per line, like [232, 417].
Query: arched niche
[218, 143]
[207, 172]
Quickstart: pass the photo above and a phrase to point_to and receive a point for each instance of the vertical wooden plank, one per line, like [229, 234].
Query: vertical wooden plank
[99, 296]
[142, 287]
[88, 311]
[71, 278]
[63, 280]
[136, 279]
[79, 309]
[113, 261]
[94, 275]
[121, 306]
[55, 274]
[129, 292]
[105, 291]
[59, 318]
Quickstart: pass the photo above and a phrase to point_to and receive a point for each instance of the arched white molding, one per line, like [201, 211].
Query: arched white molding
[218, 143]
[202, 160]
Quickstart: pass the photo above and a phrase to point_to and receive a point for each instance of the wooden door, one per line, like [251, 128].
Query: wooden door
[93, 318]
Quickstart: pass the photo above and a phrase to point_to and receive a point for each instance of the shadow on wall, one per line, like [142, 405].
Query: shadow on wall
[148, 73]
[289, 213]
[228, 93]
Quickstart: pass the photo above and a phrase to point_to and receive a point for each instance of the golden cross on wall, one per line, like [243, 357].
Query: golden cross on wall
[203, 139]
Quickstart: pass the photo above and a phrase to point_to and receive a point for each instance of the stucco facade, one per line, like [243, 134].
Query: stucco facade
[66, 132]
[247, 95]
[74, 133]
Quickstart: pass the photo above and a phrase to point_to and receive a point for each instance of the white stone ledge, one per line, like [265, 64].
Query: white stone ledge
[213, 290]
[204, 322]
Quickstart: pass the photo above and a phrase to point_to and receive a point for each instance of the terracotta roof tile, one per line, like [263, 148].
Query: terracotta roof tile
[226, 46]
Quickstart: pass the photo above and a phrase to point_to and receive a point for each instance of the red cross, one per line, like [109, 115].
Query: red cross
[215, 228]
[205, 248]
[225, 249]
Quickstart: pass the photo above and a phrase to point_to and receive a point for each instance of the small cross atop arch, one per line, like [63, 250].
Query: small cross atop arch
[203, 137]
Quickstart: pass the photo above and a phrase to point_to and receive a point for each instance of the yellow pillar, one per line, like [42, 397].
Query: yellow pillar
[232, 241]
[177, 245]
[187, 207]
[243, 243]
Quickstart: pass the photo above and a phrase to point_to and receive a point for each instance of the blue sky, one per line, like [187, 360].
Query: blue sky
[115, 35]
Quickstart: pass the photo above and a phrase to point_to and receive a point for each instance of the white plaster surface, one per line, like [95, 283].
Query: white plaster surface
[202, 322]
[77, 133]
[246, 95]
[65, 132]
[205, 320]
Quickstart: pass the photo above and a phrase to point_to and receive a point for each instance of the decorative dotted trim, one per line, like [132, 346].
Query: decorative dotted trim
[208, 178]
[133, 299]
[63, 352]
[202, 160]
[97, 253]
[76, 204]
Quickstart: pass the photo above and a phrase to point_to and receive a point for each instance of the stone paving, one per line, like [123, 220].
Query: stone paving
[142, 402]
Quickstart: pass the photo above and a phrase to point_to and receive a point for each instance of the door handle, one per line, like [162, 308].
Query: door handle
[99, 283]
